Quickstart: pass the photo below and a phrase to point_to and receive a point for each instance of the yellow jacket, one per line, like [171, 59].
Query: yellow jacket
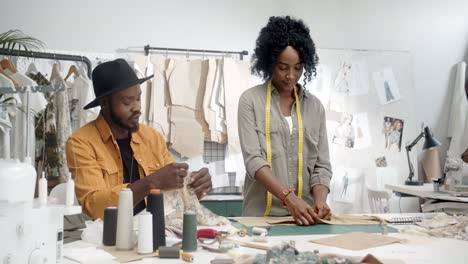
[94, 160]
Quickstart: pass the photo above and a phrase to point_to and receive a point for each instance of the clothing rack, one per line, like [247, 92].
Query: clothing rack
[241, 54]
[51, 56]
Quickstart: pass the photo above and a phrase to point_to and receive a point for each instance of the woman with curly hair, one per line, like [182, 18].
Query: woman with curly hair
[282, 129]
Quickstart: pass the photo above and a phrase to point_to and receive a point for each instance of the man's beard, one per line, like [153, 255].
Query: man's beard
[117, 120]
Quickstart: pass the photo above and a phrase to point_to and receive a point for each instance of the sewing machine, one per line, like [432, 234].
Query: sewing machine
[31, 233]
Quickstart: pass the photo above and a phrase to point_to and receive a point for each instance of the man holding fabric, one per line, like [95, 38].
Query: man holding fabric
[115, 151]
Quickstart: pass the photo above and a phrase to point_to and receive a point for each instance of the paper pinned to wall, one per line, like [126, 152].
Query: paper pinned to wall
[344, 77]
[359, 78]
[362, 131]
[219, 176]
[386, 86]
[321, 85]
[344, 184]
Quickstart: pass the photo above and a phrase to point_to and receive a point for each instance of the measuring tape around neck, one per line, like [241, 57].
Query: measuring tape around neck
[268, 143]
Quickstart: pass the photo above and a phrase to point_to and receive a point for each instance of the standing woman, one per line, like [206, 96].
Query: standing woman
[282, 129]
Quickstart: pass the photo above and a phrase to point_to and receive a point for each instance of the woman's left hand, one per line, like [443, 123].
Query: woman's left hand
[322, 210]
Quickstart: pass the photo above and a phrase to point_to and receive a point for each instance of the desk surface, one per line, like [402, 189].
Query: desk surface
[425, 191]
[417, 250]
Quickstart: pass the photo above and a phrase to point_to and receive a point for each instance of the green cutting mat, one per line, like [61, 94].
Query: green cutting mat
[317, 229]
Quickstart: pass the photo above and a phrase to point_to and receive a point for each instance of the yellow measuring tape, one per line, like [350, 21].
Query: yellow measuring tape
[268, 142]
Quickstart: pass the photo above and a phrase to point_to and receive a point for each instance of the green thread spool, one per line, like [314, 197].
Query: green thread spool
[189, 232]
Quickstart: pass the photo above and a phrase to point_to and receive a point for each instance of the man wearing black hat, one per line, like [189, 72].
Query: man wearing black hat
[115, 151]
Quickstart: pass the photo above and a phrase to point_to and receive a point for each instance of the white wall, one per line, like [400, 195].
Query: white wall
[435, 32]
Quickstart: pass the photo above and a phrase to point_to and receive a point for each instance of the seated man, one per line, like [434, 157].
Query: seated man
[115, 151]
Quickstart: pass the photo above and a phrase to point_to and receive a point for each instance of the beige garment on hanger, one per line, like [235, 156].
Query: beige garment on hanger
[210, 115]
[218, 86]
[158, 113]
[236, 79]
[187, 80]
[186, 133]
[142, 65]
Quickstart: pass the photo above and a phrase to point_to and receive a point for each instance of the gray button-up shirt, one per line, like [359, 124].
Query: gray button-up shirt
[284, 145]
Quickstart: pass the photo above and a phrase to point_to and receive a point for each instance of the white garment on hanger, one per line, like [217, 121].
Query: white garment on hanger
[458, 123]
[37, 103]
[80, 93]
[5, 124]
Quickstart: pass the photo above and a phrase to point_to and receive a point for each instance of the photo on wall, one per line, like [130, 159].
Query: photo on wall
[393, 132]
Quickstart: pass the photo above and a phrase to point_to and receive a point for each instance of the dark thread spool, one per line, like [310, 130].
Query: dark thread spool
[189, 232]
[110, 226]
[169, 252]
[155, 206]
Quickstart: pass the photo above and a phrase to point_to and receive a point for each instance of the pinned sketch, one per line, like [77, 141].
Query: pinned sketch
[343, 78]
[363, 138]
[386, 86]
[381, 162]
[321, 85]
[345, 184]
[359, 78]
[344, 133]
[393, 132]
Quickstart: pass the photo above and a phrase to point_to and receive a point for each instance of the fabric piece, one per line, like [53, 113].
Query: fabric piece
[288, 220]
[94, 161]
[458, 115]
[210, 114]
[236, 79]
[441, 225]
[158, 112]
[88, 255]
[178, 201]
[357, 241]
[186, 133]
[124, 256]
[22, 135]
[63, 122]
[251, 122]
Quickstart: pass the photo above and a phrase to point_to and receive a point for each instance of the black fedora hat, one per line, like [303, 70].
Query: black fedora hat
[113, 76]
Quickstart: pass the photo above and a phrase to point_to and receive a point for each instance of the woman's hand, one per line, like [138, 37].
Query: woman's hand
[302, 213]
[321, 210]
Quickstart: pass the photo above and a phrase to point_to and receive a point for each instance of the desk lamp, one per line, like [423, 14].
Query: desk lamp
[429, 142]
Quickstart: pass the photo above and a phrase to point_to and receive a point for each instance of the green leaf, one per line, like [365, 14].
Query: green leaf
[16, 38]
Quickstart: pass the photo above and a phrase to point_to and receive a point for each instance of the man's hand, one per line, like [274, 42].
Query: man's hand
[200, 182]
[169, 177]
[322, 210]
[302, 213]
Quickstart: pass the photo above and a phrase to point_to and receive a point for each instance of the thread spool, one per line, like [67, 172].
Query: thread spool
[186, 257]
[259, 231]
[189, 232]
[70, 191]
[124, 237]
[169, 252]
[42, 190]
[155, 205]
[145, 233]
[110, 226]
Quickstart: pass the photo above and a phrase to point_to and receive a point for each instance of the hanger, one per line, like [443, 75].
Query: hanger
[7, 64]
[72, 70]
[32, 69]
[8, 76]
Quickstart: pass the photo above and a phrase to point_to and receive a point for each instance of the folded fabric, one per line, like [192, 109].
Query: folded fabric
[87, 255]
[338, 220]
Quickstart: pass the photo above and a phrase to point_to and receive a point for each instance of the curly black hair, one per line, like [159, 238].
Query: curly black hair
[279, 33]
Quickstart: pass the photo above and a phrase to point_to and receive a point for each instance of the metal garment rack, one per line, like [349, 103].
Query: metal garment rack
[51, 56]
[241, 54]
